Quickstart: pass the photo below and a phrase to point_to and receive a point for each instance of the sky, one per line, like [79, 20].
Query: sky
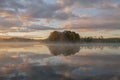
[38, 18]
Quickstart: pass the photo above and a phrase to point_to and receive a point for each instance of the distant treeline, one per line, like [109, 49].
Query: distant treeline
[70, 36]
[17, 39]
[100, 40]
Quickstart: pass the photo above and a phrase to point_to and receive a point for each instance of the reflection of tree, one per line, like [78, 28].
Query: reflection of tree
[64, 49]
[100, 46]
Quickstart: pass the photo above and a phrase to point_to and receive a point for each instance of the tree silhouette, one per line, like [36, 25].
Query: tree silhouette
[64, 36]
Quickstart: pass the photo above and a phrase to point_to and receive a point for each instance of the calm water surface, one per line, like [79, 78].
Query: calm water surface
[35, 61]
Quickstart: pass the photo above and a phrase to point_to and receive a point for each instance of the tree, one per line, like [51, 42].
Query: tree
[64, 36]
[54, 36]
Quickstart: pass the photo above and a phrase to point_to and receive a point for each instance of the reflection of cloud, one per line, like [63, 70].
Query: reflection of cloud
[32, 66]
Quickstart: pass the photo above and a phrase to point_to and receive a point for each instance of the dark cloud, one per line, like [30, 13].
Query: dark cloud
[49, 11]
[104, 26]
[12, 4]
[35, 9]
[7, 24]
[40, 27]
[107, 23]
[104, 4]
[22, 11]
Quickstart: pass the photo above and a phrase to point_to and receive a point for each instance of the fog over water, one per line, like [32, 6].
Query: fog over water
[36, 61]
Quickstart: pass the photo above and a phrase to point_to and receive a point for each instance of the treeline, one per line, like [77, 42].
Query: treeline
[99, 40]
[70, 36]
[17, 39]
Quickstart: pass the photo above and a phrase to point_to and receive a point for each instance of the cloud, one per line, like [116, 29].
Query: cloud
[49, 11]
[18, 15]
[94, 23]
[90, 3]
[40, 27]
[38, 9]
[6, 24]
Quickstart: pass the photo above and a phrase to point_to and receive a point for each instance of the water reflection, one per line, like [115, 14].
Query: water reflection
[66, 50]
[35, 62]
[83, 49]
[100, 46]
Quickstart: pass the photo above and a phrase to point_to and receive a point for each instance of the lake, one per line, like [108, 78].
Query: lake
[38, 61]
